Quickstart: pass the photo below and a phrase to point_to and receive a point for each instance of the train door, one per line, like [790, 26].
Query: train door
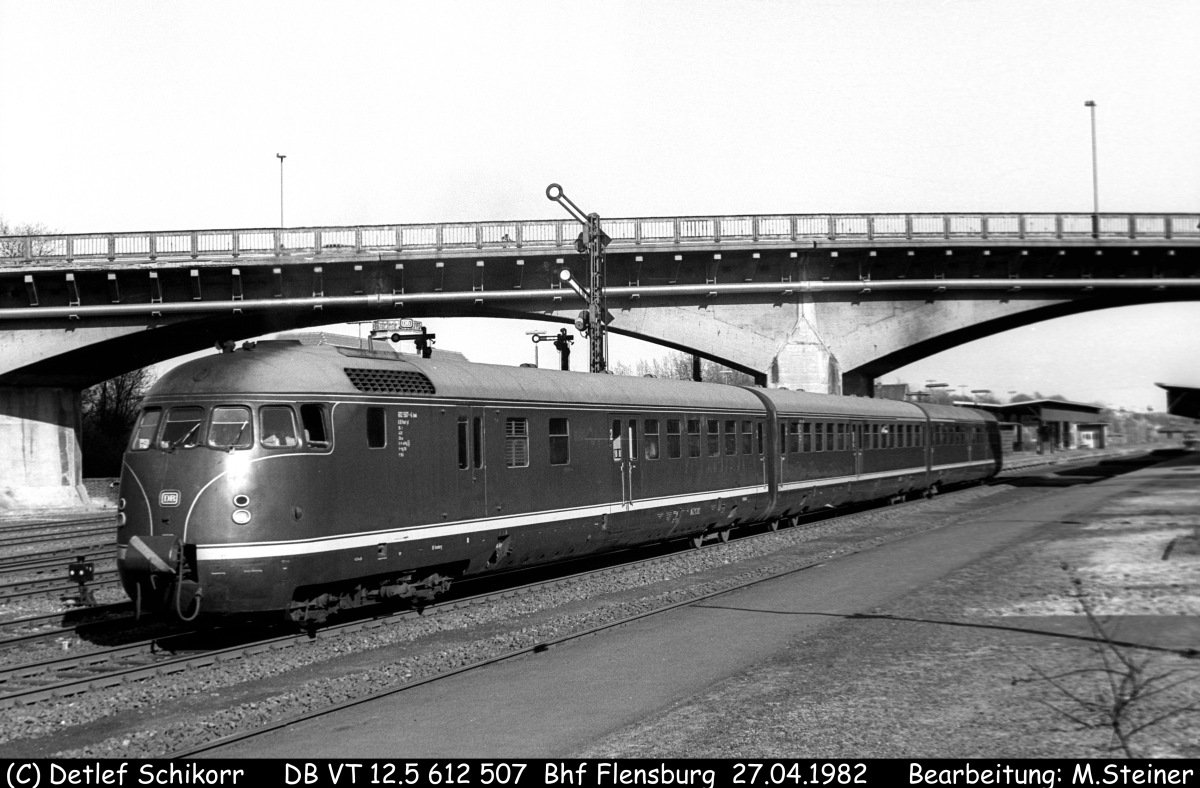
[625, 443]
[471, 488]
[856, 445]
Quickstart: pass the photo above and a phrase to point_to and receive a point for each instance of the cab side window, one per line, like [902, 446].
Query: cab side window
[277, 426]
[316, 426]
[143, 436]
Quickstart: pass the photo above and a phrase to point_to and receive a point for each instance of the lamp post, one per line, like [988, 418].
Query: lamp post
[281, 157]
[1091, 105]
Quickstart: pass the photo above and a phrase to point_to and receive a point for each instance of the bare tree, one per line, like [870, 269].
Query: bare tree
[11, 246]
[109, 411]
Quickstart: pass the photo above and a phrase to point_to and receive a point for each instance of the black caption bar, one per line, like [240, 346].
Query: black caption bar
[676, 773]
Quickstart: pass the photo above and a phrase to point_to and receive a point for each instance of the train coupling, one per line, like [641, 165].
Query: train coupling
[159, 569]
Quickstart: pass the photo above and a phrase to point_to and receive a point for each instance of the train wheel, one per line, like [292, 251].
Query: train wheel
[697, 541]
[723, 534]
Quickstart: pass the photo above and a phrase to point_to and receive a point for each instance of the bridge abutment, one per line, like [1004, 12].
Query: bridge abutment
[41, 460]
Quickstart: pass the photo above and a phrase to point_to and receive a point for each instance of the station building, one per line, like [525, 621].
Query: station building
[1047, 425]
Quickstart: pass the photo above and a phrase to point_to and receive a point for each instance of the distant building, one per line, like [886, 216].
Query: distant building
[1049, 425]
[898, 391]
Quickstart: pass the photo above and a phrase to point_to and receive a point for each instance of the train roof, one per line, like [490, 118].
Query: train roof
[289, 368]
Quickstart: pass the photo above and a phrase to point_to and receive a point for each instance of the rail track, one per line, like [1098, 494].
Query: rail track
[48, 626]
[178, 652]
[32, 682]
[20, 535]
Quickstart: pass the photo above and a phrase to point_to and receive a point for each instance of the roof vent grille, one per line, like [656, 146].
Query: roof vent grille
[390, 381]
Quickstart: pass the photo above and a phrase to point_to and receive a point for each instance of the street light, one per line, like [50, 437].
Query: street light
[281, 157]
[1091, 105]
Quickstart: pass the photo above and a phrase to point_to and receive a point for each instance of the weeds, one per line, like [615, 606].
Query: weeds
[1127, 693]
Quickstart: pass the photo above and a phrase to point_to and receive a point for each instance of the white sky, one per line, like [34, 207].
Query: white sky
[149, 115]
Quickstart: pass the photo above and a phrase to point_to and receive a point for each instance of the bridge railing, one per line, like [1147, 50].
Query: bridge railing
[928, 228]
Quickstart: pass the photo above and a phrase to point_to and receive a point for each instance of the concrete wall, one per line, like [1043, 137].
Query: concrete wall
[40, 455]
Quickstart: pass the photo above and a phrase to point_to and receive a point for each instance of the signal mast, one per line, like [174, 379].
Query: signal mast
[591, 242]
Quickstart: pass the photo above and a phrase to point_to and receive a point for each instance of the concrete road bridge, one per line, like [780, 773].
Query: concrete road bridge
[825, 302]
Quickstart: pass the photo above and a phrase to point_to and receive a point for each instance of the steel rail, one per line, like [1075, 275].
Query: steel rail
[41, 525]
[32, 562]
[93, 613]
[103, 579]
[20, 541]
[547, 644]
[93, 660]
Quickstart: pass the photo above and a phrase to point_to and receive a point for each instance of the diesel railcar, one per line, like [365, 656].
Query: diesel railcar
[308, 478]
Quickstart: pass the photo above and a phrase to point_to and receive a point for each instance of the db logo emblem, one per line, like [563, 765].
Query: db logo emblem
[169, 498]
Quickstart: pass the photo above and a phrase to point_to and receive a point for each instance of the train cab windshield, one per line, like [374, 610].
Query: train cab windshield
[182, 428]
[230, 427]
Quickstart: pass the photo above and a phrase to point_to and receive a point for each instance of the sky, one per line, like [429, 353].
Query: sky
[125, 116]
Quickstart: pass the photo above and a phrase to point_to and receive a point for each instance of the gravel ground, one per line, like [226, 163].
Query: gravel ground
[957, 670]
[158, 716]
[905, 694]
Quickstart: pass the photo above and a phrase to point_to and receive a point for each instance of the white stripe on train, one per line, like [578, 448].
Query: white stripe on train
[464, 527]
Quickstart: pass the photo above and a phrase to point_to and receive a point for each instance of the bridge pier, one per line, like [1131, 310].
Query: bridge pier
[41, 460]
[778, 343]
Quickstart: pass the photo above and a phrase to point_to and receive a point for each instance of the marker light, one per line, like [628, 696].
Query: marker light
[241, 516]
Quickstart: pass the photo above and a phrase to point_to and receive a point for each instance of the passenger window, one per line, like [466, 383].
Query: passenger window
[316, 426]
[730, 437]
[818, 437]
[651, 439]
[758, 431]
[747, 441]
[143, 436]
[829, 437]
[230, 428]
[182, 428]
[516, 443]
[277, 424]
[560, 442]
[376, 428]
[673, 446]
[693, 427]
[793, 439]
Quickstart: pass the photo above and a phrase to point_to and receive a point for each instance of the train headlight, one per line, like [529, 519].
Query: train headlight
[241, 501]
[121, 505]
[120, 519]
[241, 516]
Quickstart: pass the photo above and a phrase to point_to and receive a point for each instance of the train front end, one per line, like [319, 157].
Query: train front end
[210, 462]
